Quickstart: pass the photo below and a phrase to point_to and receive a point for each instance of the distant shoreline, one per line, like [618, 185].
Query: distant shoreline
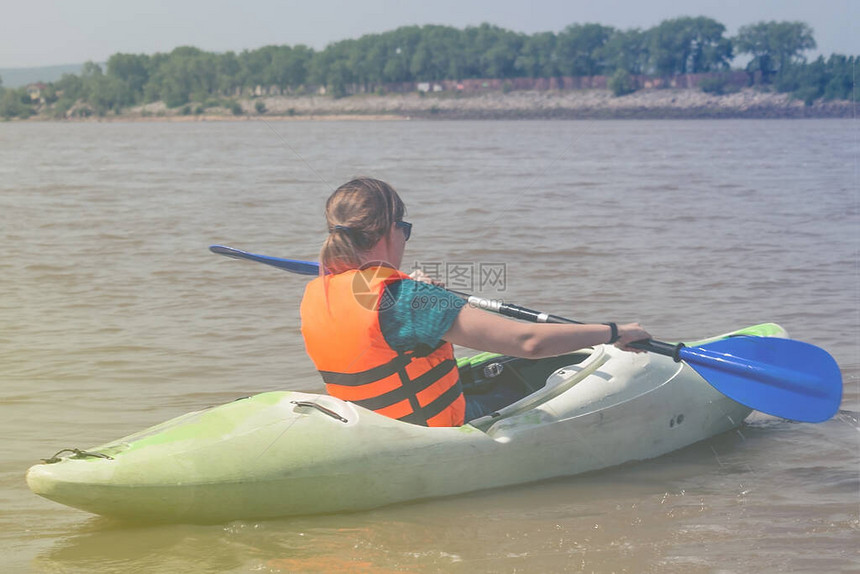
[496, 105]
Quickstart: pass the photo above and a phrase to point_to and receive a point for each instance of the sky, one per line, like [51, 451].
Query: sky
[54, 32]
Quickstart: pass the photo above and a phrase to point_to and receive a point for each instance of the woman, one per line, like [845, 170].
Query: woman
[375, 340]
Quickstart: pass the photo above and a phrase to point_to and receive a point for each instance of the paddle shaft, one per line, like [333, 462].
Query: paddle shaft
[291, 265]
[506, 309]
[525, 314]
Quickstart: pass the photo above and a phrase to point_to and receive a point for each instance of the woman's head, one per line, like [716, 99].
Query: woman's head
[359, 214]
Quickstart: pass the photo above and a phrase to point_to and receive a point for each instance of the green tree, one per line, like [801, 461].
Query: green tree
[489, 52]
[130, 69]
[774, 46]
[581, 51]
[689, 46]
[105, 93]
[376, 55]
[255, 65]
[295, 65]
[14, 103]
[439, 54]
[829, 79]
[357, 60]
[500, 59]
[153, 87]
[628, 51]
[538, 57]
[621, 83]
[842, 74]
[186, 74]
[402, 45]
[69, 89]
[330, 68]
[710, 51]
[227, 71]
[90, 69]
[805, 81]
[318, 69]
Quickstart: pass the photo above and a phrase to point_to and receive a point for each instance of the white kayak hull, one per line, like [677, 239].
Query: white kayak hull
[291, 453]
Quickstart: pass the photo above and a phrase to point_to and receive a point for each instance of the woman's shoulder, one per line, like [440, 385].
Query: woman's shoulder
[416, 295]
[413, 312]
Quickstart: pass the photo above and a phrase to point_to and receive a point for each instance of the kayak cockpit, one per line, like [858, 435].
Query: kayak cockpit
[508, 385]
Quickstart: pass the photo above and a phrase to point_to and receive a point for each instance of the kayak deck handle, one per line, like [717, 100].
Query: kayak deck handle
[321, 409]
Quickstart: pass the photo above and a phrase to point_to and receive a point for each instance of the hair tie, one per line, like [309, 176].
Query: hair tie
[340, 228]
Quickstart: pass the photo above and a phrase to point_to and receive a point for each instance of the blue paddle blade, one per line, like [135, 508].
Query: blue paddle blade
[781, 377]
[293, 265]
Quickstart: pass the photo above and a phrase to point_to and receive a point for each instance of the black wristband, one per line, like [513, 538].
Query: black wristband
[614, 336]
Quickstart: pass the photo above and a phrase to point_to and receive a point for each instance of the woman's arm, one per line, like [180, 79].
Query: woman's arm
[485, 331]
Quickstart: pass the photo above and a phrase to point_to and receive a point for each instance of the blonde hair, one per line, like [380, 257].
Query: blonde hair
[358, 214]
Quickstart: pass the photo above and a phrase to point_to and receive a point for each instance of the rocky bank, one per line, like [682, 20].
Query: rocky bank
[576, 104]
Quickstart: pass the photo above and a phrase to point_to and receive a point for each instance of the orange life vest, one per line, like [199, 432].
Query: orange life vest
[340, 325]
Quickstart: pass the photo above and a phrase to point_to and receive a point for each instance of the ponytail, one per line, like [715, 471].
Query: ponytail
[358, 215]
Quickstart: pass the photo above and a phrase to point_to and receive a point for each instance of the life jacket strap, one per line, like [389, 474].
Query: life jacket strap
[406, 391]
[366, 377]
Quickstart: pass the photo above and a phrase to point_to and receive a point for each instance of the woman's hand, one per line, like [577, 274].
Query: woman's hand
[419, 275]
[630, 333]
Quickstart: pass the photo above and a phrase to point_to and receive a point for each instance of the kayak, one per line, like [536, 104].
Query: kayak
[292, 453]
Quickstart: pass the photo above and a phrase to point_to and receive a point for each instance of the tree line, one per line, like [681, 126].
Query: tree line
[688, 45]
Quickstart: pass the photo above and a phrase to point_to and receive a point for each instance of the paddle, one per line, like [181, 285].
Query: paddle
[781, 377]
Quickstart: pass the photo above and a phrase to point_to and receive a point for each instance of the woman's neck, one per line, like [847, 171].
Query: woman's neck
[381, 254]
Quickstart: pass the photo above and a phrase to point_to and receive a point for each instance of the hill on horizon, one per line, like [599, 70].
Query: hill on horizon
[18, 77]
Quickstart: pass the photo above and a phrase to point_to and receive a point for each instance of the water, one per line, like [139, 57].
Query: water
[115, 316]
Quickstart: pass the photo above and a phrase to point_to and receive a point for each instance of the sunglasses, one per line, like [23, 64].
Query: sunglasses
[406, 227]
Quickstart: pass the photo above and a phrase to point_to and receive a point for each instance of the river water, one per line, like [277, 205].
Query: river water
[114, 316]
